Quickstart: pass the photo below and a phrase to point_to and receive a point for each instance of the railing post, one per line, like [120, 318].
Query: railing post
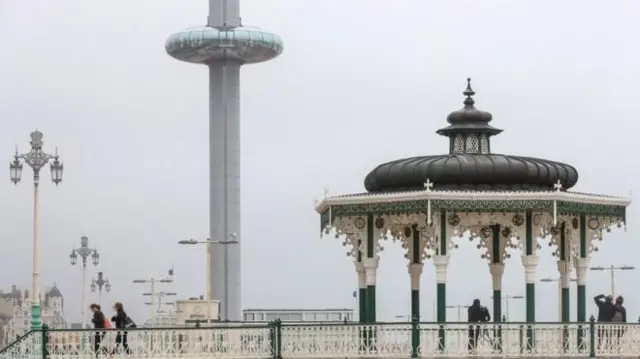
[45, 341]
[415, 337]
[592, 337]
[275, 338]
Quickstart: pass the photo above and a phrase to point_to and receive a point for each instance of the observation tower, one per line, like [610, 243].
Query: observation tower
[224, 45]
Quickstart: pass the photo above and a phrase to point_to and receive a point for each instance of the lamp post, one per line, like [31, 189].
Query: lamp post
[84, 252]
[507, 299]
[459, 308]
[153, 293]
[158, 298]
[551, 280]
[612, 268]
[36, 158]
[98, 284]
[208, 242]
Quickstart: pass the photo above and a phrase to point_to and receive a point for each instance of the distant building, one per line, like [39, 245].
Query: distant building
[194, 310]
[298, 315]
[15, 312]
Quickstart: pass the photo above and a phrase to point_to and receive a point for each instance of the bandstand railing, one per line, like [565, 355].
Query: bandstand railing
[328, 341]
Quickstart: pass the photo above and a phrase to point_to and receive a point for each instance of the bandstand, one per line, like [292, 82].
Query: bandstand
[431, 203]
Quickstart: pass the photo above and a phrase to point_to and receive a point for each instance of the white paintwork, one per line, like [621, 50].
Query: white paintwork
[415, 271]
[582, 267]
[564, 269]
[441, 263]
[530, 264]
[339, 341]
[371, 268]
[497, 270]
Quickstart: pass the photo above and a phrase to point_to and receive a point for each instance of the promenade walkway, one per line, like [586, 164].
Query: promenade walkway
[340, 341]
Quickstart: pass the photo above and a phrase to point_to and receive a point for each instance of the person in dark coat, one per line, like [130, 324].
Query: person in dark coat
[476, 314]
[606, 311]
[98, 323]
[619, 317]
[120, 321]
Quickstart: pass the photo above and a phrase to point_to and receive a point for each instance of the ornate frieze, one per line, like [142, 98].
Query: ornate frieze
[352, 232]
[566, 203]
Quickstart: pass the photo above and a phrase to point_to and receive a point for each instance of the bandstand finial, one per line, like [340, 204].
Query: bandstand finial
[428, 185]
[469, 92]
[558, 186]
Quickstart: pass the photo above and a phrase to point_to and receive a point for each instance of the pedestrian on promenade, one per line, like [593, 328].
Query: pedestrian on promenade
[98, 323]
[121, 321]
[619, 318]
[476, 314]
[606, 311]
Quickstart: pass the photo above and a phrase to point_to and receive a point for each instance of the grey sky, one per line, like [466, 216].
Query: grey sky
[359, 83]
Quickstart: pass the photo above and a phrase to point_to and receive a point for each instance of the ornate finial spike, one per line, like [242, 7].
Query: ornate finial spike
[468, 102]
[558, 186]
[326, 192]
[428, 185]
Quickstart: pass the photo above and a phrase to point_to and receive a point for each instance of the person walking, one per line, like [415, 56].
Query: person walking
[606, 311]
[98, 323]
[121, 321]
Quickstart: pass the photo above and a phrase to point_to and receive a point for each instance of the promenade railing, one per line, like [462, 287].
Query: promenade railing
[328, 341]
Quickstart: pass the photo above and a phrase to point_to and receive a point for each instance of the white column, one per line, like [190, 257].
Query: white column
[530, 264]
[497, 270]
[371, 269]
[582, 267]
[441, 263]
[415, 272]
[564, 268]
[362, 276]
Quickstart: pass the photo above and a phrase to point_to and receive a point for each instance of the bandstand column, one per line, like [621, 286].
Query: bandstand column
[564, 269]
[497, 270]
[415, 271]
[582, 266]
[362, 291]
[441, 263]
[371, 262]
[530, 263]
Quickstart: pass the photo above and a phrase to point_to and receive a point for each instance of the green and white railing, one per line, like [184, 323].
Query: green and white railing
[380, 340]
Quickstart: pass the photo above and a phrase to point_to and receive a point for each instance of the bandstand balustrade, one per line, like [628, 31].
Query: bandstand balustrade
[339, 341]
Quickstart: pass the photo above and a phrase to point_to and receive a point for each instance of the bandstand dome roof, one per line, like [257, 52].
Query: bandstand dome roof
[470, 164]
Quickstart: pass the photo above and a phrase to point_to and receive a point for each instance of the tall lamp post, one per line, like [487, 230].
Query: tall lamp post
[208, 242]
[153, 293]
[36, 158]
[84, 252]
[612, 269]
[551, 280]
[100, 283]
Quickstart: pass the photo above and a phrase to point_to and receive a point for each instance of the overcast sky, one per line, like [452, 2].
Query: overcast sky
[359, 83]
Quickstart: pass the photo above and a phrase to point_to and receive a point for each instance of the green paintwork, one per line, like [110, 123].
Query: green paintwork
[528, 227]
[371, 245]
[443, 234]
[497, 306]
[441, 295]
[566, 306]
[362, 305]
[35, 316]
[415, 318]
[582, 303]
[531, 312]
[371, 304]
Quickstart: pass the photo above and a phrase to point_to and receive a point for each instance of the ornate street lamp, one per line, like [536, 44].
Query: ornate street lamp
[98, 284]
[36, 158]
[84, 252]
